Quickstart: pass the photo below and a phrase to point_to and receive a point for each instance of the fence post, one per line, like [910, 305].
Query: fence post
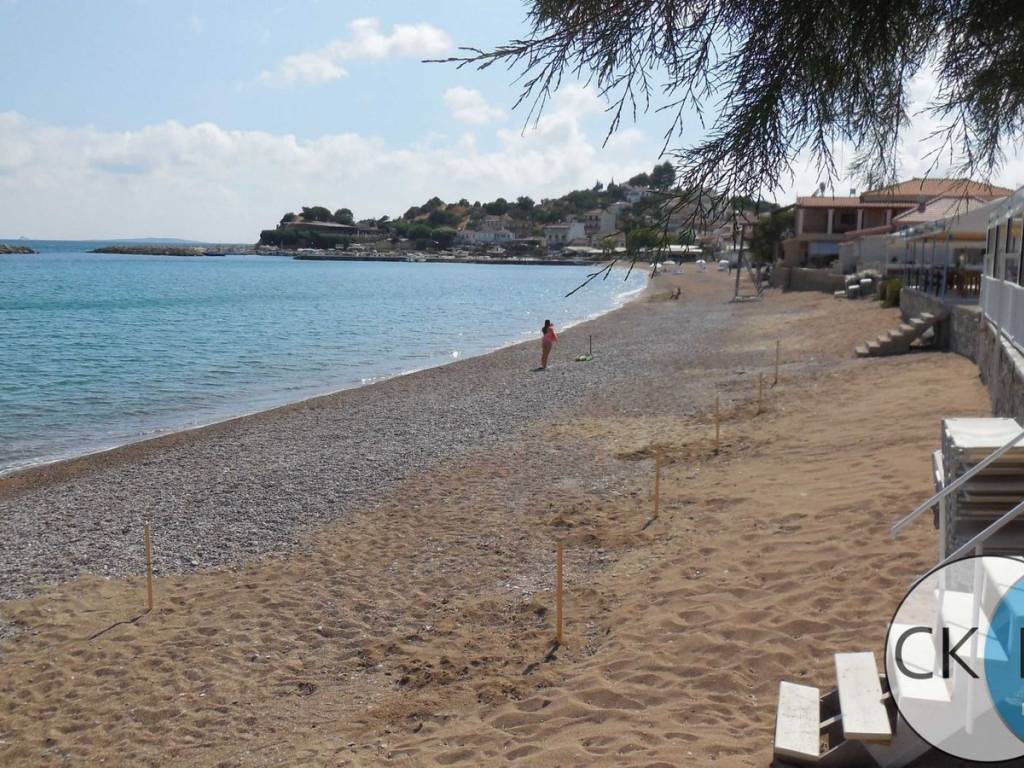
[559, 557]
[149, 570]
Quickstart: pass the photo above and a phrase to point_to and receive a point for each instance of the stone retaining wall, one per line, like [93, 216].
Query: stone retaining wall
[959, 332]
[801, 279]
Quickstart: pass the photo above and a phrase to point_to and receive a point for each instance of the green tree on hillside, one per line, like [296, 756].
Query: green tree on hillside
[316, 213]
[640, 180]
[663, 176]
[497, 208]
[440, 217]
[343, 216]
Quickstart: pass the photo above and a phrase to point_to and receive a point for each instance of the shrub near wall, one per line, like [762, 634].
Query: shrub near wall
[889, 291]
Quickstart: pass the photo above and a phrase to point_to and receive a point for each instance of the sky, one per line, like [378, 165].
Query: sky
[208, 121]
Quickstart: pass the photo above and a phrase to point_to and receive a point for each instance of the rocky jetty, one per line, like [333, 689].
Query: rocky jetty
[6, 248]
[152, 250]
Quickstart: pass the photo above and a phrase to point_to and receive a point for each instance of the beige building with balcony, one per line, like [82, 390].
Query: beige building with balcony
[823, 222]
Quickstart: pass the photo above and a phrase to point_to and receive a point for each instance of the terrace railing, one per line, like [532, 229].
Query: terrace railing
[937, 281]
[1003, 304]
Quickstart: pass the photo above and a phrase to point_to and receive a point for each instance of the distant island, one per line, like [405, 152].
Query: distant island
[5, 248]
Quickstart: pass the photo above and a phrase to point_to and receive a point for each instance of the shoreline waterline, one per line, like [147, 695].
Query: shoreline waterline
[53, 469]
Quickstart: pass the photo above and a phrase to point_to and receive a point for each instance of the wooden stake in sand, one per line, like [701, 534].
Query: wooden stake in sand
[657, 483]
[149, 570]
[760, 391]
[778, 345]
[559, 557]
[718, 420]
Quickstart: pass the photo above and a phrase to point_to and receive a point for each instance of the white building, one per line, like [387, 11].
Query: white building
[598, 222]
[485, 236]
[561, 234]
[635, 194]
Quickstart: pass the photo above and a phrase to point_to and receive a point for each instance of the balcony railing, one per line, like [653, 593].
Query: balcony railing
[1003, 304]
[937, 281]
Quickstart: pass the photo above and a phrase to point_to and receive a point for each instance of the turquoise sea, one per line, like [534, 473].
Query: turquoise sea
[100, 350]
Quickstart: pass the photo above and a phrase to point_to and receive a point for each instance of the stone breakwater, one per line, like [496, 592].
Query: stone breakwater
[174, 250]
[6, 248]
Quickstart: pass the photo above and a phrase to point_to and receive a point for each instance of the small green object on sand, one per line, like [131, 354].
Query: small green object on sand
[584, 358]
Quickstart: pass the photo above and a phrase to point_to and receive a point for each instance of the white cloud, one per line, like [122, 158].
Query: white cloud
[366, 41]
[470, 106]
[206, 182]
[195, 24]
[311, 68]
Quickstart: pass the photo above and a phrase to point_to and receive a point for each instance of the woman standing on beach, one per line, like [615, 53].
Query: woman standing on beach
[548, 339]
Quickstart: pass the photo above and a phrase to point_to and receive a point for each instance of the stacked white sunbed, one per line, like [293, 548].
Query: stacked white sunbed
[990, 493]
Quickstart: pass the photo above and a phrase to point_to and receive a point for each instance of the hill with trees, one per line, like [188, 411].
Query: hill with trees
[436, 223]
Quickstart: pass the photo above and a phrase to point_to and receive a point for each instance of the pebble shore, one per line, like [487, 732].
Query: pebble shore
[252, 486]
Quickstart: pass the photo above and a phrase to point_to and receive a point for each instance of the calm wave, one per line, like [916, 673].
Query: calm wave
[99, 350]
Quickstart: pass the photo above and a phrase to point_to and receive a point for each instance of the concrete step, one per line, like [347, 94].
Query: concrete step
[865, 717]
[798, 723]
[862, 351]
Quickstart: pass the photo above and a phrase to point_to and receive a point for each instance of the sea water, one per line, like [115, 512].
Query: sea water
[100, 350]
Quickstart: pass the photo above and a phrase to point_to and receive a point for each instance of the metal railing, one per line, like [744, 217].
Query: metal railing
[901, 524]
[1003, 305]
[940, 281]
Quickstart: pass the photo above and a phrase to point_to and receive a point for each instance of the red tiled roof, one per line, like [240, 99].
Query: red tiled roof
[917, 188]
[844, 202]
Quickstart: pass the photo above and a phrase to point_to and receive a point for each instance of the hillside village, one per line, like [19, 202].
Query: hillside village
[648, 211]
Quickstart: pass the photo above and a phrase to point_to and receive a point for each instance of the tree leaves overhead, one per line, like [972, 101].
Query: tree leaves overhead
[773, 78]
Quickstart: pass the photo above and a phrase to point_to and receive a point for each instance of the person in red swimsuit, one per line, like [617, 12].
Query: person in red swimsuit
[548, 339]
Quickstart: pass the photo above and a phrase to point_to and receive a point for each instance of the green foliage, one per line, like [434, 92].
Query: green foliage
[687, 237]
[343, 216]
[889, 291]
[440, 217]
[289, 217]
[663, 176]
[444, 236]
[769, 232]
[316, 213]
[498, 207]
[789, 79]
[640, 180]
[642, 238]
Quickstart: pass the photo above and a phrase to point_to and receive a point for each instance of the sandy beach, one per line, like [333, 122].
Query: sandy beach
[366, 578]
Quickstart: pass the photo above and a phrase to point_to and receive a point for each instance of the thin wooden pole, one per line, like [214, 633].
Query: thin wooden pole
[718, 420]
[760, 391]
[590, 345]
[559, 557]
[149, 570]
[778, 345]
[657, 482]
